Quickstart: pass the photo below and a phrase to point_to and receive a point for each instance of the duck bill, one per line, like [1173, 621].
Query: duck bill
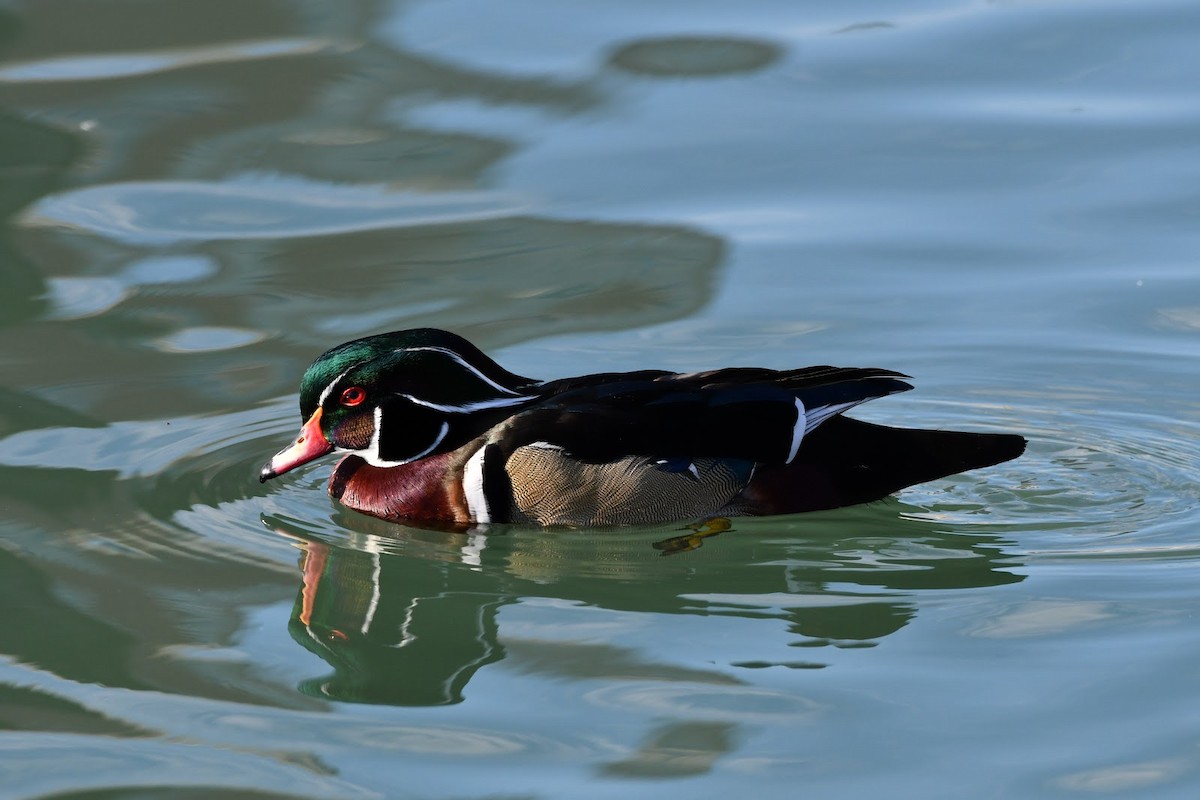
[310, 444]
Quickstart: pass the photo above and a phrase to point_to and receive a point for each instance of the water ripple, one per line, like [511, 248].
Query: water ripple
[1100, 472]
[728, 703]
[253, 206]
[107, 66]
[695, 56]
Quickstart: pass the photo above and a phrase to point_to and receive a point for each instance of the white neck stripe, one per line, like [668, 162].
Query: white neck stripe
[472, 481]
[441, 435]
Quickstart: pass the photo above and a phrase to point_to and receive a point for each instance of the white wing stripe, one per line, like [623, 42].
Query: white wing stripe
[798, 430]
[822, 413]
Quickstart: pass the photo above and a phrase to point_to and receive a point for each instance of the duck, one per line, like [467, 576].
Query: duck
[434, 431]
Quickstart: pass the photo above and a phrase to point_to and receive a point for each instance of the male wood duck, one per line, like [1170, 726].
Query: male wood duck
[436, 431]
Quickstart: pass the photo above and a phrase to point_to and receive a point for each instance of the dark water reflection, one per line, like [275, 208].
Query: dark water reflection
[185, 263]
[696, 56]
[408, 616]
[316, 290]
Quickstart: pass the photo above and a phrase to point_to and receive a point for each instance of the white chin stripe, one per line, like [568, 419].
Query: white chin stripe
[371, 454]
[477, 505]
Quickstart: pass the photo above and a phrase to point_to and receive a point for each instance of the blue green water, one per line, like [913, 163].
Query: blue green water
[1001, 199]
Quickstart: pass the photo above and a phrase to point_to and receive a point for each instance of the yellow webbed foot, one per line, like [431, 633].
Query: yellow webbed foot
[692, 541]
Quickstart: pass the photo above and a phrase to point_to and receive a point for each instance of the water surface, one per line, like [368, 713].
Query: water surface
[998, 198]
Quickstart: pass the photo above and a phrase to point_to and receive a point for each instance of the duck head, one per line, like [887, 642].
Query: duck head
[399, 397]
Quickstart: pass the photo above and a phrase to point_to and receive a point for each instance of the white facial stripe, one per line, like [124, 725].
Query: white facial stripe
[461, 362]
[325, 392]
[477, 505]
[798, 430]
[469, 407]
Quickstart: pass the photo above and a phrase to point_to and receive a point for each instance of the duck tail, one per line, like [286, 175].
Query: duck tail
[847, 461]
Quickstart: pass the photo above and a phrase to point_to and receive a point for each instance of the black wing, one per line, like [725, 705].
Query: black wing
[759, 415]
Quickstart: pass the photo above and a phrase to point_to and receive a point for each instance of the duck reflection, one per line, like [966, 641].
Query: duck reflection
[406, 616]
[392, 634]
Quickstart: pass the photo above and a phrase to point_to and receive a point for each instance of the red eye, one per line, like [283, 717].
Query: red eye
[353, 396]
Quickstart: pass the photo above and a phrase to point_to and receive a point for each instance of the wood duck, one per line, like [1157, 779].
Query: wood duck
[436, 431]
